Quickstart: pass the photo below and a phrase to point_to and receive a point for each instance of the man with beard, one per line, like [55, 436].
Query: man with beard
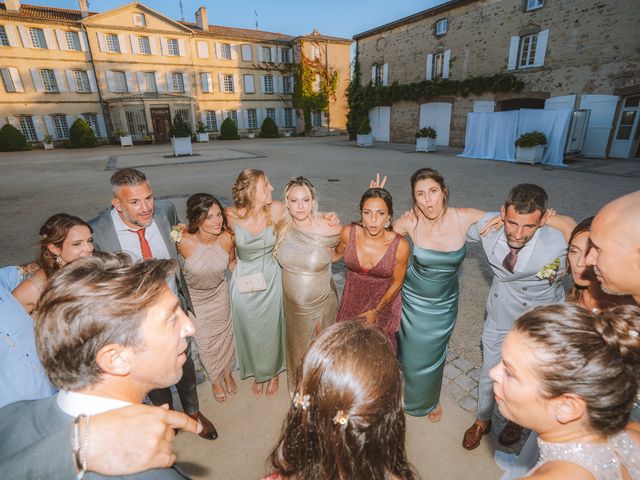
[615, 250]
[141, 227]
[527, 259]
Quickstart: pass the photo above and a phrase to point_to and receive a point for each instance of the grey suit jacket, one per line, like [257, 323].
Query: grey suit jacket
[105, 239]
[36, 444]
[512, 294]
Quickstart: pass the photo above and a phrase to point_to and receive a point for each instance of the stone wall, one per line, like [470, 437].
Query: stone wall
[592, 49]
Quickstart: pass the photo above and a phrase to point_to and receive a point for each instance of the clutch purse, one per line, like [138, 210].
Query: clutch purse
[254, 282]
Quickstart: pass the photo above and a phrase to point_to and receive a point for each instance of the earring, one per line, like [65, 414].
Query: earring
[58, 260]
[388, 224]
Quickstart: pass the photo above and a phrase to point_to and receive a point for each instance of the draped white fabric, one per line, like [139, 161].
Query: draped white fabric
[491, 135]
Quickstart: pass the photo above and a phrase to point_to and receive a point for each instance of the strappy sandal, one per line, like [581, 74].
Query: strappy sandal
[435, 415]
[219, 396]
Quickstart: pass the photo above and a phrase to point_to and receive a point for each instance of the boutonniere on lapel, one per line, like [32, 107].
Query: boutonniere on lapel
[549, 271]
[176, 234]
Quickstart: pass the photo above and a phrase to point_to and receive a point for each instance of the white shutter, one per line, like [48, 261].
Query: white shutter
[429, 73]
[446, 62]
[50, 39]
[373, 73]
[259, 53]
[71, 81]
[219, 119]
[70, 119]
[160, 84]
[60, 80]
[234, 52]
[246, 117]
[135, 47]
[102, 127]
[203, 117]
[153, 45]
[293, 117]
[110, 81]
[50, 127]
[92, 81]
[323, 119]
[260, 115]
[239, 114]
[24, 36]
[37, 80]
[236, 84]
[169, 82]
[280, 117]
[210, 82]
[204, 83]
[541, 48]
[164, 47]
[279, 55]
[273, 54]
[102, 41]
[186, 80]
[11, 35]
[221, 82]
[385, 74]
[246, 53]
[218, 50]
[280, 85]
[122, 42]
[130, 84]
[182, 51]
[37, 124]
[513, 53]
[483, 106]
[62, 41]
[83, 41]
[6, 76]
[15, 77]
[291, 55]
[292, 84]
[203, 49]
[261, 83]
[249, 86]
[141, 85]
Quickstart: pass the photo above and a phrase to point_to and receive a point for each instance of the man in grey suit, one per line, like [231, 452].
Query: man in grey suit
[527, 259]
[108, 331]
[141, 227]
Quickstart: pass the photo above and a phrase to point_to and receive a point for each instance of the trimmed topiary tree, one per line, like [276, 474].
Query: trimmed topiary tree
[81, 135]
[269, 129]
[12, 139]
[180, 128]
[228, 130]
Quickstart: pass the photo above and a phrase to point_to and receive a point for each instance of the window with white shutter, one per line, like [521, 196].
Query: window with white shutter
[112, 43]
[120, 82]
[173, 50]
[4, 38]
[49, 81]
[442, 26]
[252, 119]
[227, 83]
[81, 79]
[233, 115]
[225, 51]
[61, 126]
[150, 85]
[438, 65]
[72, 40]
[37, 38]
[177, 80]
[92, 120]
[527, 55]
[211, 121]
[288, 117]
[144, 46]
[266, 54]
[287, 84]
[268, 83]
[28, 129]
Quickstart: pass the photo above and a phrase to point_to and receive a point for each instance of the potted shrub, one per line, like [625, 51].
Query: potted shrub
[81, 135]
[12, 139]
[426, 140]
[125, 140]
[530, 147]
[48, 142]
[364, 137]
[201, 133]
[269, 129]
[228, 130]
[180, 137]
[251, 133]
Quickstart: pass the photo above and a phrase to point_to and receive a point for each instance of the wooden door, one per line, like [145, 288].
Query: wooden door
[161, 119]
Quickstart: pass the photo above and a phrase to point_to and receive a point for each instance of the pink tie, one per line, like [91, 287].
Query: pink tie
[510, 260]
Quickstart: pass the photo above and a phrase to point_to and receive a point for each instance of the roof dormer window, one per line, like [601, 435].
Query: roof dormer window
[139, 20]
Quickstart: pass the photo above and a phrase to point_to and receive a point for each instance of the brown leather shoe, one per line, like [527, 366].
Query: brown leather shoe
[208, 432]
[474, 434]
[510, 434]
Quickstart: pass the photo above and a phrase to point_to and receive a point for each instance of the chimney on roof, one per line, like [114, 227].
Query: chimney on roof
[201, 19]
[84, 8]
[12, 5]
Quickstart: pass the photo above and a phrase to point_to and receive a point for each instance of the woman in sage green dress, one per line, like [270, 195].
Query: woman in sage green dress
[258, 317]
[430, 289]
[304, 248]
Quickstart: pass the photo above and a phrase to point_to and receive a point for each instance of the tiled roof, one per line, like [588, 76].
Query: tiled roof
[438, 9]
[233, 33]
[44, 13]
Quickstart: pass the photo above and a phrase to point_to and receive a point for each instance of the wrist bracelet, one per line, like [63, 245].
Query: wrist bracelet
[80, 447]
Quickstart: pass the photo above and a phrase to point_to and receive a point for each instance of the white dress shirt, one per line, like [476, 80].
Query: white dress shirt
[524, 254]
[130, 242]
[74, 403]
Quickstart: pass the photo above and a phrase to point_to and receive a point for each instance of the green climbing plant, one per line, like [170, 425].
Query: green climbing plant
[305, 97]
[362, 98]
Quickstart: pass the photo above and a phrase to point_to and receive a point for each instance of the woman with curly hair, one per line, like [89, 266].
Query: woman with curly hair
[208, 249]
[63, 238]
[346, 420]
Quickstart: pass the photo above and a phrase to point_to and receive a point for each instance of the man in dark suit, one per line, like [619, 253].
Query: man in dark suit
[108, 331]
[141, 227]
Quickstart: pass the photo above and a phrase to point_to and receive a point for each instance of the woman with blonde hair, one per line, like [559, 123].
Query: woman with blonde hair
[346, 420]
[63, 238]
[305, 244]
[256, 287]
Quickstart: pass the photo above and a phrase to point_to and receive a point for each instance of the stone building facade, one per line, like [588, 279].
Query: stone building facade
[134, 69]
[582, 54]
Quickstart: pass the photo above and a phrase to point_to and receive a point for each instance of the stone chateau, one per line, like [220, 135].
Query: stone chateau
[579, 54]
[132, 68]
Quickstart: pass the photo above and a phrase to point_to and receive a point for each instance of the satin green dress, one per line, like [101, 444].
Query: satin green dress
[429, 311]
[258, 317]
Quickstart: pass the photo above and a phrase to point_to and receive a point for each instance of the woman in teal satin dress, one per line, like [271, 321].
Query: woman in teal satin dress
[430, 290]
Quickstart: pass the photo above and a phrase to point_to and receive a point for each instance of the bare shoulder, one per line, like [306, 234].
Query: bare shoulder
[560, 470]
[404, 249]
[469, 216]
[277, 210]
[344, 233]
[325, 228]
[403, 225]
[226, 241]
[187, 244]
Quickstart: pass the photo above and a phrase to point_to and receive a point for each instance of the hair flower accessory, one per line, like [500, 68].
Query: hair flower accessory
[301, 401]
[176, 234]
[633, 333]
[341, 418]
[549, 271]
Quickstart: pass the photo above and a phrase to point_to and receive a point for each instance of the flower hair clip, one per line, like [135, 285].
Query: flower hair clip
[633, 333]
[341, 418]
[301, 401]
[43, 237]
